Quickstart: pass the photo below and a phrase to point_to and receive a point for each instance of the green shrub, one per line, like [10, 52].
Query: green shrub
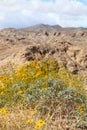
[41, 85]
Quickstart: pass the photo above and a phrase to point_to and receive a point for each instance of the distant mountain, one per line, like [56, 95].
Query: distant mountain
[43, 27]
[46, 28]
[51, 28]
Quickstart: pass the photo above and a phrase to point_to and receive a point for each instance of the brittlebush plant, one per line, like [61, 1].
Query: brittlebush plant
[43, 86]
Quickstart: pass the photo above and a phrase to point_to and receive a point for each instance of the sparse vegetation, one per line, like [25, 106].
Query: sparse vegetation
[39, 95]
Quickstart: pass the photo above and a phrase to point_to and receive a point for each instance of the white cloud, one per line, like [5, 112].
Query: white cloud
[22, 13]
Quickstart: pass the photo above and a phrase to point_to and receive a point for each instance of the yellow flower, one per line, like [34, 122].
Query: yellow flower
[32, 112]
[39, 124]
[38, 74]
[30, 121]
[20, 91]
[2, 93]
[81, 110]
[3, 112]
[37, 127]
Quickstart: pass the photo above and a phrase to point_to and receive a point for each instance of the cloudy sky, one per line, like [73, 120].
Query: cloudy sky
[24, 13]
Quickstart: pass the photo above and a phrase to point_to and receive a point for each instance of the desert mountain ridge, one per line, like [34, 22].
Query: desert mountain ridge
[46, 27]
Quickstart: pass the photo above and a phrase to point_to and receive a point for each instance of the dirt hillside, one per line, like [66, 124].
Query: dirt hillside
[67, 45]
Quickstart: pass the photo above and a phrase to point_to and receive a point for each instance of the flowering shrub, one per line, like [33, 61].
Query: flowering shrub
[43, 86]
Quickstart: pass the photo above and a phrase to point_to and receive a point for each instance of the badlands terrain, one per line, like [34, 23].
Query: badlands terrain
[67, 45]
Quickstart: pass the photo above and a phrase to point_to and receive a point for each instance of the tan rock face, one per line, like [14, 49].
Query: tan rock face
[67, 46]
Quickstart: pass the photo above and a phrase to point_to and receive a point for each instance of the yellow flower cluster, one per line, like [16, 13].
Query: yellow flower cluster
[39, 124]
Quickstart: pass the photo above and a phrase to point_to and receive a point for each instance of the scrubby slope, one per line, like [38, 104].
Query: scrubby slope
[43, 72]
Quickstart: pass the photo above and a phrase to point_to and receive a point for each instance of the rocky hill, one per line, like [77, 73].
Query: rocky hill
[67, 45]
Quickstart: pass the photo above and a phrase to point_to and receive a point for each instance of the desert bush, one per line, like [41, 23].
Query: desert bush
[43, 86]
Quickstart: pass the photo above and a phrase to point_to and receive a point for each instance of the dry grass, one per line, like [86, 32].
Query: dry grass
[18, 119]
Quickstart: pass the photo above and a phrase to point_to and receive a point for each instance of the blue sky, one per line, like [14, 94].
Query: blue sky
[24, 13]
[83, 1]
